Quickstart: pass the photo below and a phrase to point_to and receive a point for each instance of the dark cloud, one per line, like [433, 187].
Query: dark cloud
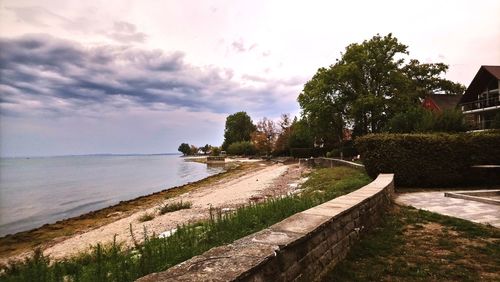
[44, 75]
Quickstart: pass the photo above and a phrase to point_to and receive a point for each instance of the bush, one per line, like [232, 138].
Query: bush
[419, 120]
[215, 151]
[166, 208]
[146, 217]
[429, 159]
[245, 148]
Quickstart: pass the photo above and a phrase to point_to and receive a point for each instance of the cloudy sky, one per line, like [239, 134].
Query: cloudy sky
[83, 77]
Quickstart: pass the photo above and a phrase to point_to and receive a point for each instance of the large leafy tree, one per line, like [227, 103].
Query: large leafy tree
[264, 137]
[300, 134]
[185, 149]
[366, 87]
[239, 127]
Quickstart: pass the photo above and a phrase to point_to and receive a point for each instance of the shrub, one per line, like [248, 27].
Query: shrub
[245, 148]
[174, 207]
[215, 151]
[428, 159]
[146, 217]
[421, 120]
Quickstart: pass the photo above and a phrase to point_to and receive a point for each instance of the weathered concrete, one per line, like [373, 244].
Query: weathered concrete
[437, 202]
[302, 247]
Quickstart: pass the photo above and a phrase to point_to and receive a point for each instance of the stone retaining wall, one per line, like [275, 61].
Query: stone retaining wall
[303, 247]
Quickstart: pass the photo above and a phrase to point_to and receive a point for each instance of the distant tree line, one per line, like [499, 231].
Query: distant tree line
[190, 150]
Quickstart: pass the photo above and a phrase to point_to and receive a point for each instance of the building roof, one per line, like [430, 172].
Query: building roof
[445, 101]
[483, 76]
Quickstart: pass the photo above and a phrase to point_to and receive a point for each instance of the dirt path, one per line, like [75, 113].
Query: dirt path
[270, 181]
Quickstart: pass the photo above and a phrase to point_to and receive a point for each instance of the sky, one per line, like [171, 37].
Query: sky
[89, 77]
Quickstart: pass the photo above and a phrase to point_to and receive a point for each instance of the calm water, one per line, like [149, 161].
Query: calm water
[36, 191]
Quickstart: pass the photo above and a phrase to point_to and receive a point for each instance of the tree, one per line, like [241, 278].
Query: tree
[300, 135]
[184, 149]
[215, 151]
[193, 150]
[418, 120]
[239, 127]
[281, 147]
[264, 137]
[205, 149]
[245, 148]
[367, 87]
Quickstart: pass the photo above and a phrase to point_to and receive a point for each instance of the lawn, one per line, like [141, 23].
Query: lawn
[416, 245]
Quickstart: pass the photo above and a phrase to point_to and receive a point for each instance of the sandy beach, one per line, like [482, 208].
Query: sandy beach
[261, 181]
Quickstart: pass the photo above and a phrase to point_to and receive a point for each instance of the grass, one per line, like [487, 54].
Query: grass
[171, 207]
[416, 245]
[146, 217]
[116, 263]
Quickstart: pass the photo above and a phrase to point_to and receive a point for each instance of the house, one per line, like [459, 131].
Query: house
[481, 101]
[441, 102]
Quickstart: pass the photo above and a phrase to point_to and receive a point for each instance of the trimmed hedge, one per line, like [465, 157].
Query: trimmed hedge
[430, 159]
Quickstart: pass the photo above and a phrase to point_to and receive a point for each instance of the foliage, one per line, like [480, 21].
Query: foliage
[367, 87]
[215, 151]
[205, 149]
[300, 135]
[171, 207]
[146, 217]
[193, 150]
[347, 148]
[116, 263]
[416, 245]
[429, 159]
[419, 120]
[244, 148]
[185, 149]
[264, 137]
[282, 146]
[239, 127]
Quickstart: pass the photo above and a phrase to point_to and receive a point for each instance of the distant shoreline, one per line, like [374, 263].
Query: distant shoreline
[88, 155]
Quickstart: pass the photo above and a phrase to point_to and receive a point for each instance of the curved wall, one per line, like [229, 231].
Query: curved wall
[302, 247]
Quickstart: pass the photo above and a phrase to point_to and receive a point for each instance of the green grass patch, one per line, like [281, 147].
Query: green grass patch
[171, 207]
[117, 263]
[146, 217]
[416, 245]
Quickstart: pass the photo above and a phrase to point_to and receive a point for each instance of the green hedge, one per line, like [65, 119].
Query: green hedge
[438, 160]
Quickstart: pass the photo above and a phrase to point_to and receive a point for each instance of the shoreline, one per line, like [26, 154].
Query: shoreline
[50, 234]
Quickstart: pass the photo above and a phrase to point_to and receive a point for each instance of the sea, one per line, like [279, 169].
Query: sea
[40, 190]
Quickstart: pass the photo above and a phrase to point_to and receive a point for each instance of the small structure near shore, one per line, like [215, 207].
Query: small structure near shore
[216, 160]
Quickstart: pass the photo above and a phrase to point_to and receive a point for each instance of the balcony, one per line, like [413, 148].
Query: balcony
[480, 125]
[481, 105]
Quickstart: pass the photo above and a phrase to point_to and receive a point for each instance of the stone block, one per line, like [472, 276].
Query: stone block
[301, 223]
